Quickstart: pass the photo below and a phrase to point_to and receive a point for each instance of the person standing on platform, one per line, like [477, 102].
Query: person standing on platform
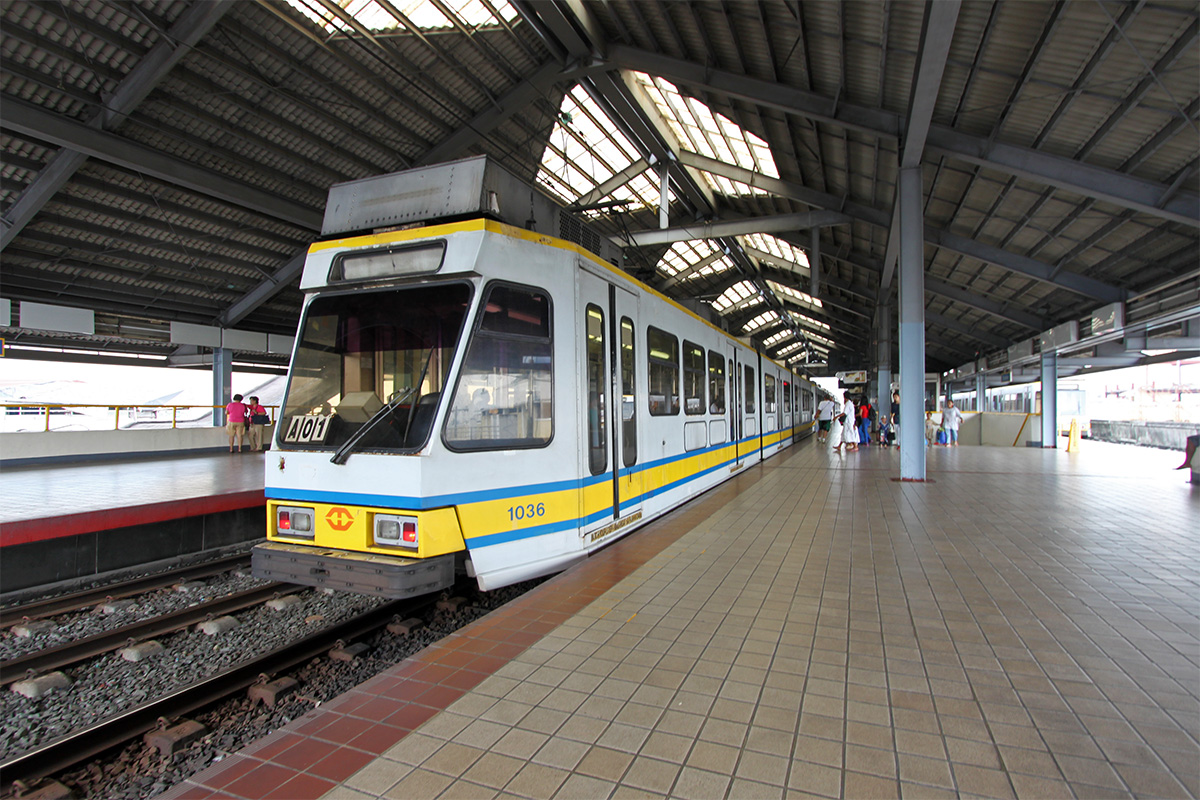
[256, 423]
[864, 421]
[951, 417]
[235, 422]
[896, 418]
[825, 411]
[849, 429]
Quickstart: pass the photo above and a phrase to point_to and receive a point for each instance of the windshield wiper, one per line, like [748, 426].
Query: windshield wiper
[346, 449]
[420, 380]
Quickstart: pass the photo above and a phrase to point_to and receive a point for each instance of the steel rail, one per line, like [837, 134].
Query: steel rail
[67, 751]
[39, 609]
[69, 653]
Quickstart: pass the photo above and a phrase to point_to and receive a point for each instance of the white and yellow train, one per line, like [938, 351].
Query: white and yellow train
[467, 395]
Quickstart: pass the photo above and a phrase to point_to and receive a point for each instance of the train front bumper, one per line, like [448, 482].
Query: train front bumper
[345, 571]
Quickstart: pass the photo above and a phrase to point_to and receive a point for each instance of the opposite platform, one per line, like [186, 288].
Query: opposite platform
[69, 499]
[1025, 625]
[63, 524]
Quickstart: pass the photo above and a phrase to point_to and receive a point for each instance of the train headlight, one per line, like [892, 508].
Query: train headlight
[394, 531]
[294, 521]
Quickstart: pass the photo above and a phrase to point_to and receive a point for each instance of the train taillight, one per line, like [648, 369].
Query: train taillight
[395, 531]
[292, 521]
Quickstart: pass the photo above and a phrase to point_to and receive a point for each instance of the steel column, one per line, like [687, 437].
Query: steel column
[1050, 400]
[814, 264]
[884, 361]
[912, 326]
[222, 383]
[980, 389]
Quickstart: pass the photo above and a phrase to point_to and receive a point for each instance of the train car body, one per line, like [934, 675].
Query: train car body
[472, 395]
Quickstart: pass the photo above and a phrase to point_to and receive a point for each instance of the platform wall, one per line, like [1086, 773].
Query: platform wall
[65, 446]
[89, 555]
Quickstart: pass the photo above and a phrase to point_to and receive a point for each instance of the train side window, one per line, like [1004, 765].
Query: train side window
[663, 355]
[505, 395]
[751, 389]
[787, 397]
[716, 382]
[628, 396]
[596, 427]
[693, 378]
[769, 394]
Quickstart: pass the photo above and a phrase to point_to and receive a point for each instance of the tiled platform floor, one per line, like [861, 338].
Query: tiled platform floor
[1026, 625]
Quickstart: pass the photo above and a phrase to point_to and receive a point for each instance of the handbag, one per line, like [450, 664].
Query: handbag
[260, 419]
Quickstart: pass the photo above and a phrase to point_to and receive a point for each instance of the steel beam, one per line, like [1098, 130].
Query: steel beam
[30, 120]
[1030, 267]
[1067, 174]
[612, 184]
[715, 230]
[776, 186]
[965, 330]
[1001, 310]
[189, 28]
[1120, 189]
[951, 242]
[937, 31]
[514, 101]
[263, 292]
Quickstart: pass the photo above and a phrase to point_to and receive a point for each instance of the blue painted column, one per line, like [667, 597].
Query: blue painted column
[1050, 399]
[222, 383]
[912, 326]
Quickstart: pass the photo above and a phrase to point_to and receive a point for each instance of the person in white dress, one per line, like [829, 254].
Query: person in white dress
[849, 433]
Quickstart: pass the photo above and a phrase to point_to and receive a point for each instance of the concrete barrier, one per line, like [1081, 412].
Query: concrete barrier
[1166, 435]
[65, 446]
[1003, 429]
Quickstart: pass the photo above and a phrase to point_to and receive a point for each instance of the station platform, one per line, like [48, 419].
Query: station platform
[66, 521]
[1027, 624]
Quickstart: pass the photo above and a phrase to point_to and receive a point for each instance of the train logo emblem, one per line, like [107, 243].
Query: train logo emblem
[339, 518]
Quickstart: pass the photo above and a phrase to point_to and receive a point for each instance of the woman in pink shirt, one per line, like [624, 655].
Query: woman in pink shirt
[235, 422]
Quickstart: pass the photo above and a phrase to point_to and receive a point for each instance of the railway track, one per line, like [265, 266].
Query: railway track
[77, 601]
[77, 748]
[65, 655]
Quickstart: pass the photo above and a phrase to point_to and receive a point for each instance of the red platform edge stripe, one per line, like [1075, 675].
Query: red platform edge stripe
[39, 530]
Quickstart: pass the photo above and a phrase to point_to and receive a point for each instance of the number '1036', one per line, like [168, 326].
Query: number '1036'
[525, 512]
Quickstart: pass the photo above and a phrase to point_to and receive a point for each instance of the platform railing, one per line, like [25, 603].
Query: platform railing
[136, 415]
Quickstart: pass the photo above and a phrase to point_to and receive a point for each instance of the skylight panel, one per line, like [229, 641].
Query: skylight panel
[585, 149]
[762, 319]
[683, 258]
[736, 294]
[795, 294]
[772, 245]
[423, 14]
[712, 135]
[777, 337]
[787, 350]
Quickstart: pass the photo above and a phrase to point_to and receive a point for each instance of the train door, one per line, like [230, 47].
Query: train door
[749, 372]
[789, 425]
[733, 371]
[608, 348]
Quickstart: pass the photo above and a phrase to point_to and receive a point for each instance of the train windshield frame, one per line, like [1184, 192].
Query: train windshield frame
[371, 366]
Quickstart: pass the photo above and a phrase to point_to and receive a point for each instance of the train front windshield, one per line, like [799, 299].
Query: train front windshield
[370, 368]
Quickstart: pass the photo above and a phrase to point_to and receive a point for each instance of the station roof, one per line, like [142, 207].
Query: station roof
[168, 161]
